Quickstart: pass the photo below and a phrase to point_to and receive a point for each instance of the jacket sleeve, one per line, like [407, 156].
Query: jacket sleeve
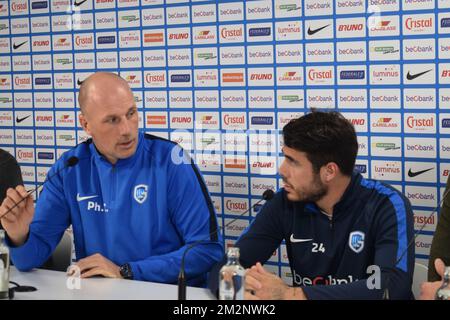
[258, 242]
[393, 267]
[440, 247]
[51, 219]
[194, 217]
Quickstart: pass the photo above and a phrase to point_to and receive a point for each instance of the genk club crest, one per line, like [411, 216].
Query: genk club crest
[356, 241]
[140, 193]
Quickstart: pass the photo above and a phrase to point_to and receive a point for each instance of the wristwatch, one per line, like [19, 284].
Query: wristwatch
[125, 271]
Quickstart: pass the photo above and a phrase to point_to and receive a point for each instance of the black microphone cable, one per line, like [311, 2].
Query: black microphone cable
[267, 195]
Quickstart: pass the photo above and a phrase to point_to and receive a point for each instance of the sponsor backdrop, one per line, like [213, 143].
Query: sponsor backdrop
[223, 77]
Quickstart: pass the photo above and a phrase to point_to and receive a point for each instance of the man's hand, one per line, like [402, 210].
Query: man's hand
[428, 289]
[96, 265]
[263, 285]
[17, 222]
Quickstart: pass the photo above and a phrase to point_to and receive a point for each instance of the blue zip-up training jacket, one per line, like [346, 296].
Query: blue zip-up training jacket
[144, 210]
[329, 258]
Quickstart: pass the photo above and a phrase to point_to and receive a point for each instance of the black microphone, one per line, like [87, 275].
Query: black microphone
[267, 195]
[413, 240]
[72, 161]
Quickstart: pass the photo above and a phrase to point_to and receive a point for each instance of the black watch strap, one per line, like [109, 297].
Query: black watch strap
[125, 271]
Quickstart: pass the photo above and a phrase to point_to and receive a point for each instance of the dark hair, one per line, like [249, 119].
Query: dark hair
[324, 137]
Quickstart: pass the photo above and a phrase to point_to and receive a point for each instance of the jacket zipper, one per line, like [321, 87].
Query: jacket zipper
[113, 185]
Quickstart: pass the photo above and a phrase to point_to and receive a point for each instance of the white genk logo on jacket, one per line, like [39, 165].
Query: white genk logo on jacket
[140, 193]
[356, 241]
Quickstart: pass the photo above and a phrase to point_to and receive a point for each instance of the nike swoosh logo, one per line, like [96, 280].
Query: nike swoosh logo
[79, 82]
[293, 240]
[415, 174]
[410, 76]
[19, 120]
[77, 4]
[17, 46]
[84, 198]
[311, 32]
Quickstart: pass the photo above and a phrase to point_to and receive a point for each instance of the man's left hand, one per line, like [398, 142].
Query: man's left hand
[96, 265]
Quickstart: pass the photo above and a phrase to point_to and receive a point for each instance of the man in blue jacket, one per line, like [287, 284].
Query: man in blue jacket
[135, 201]
[346, 237]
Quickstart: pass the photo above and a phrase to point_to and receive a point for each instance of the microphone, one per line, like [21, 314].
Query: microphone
[267, 195]
[413, 240]
[72, 161]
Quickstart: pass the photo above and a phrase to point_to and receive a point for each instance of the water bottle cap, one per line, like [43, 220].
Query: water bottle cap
[233, 252]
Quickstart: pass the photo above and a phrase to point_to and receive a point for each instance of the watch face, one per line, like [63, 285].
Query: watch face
[125, 271]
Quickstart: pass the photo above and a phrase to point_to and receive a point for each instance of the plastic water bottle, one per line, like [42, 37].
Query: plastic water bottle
[443, 292]
[231, 285]
[4, 267]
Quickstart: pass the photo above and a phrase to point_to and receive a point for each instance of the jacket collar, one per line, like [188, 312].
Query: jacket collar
[348, 198]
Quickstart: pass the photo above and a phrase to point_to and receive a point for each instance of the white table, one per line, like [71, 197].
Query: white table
[52, 285]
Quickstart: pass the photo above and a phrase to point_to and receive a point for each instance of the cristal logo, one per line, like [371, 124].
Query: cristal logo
[155, 78]
[19, 6]
[234, 119]
[236, 206]
[22, 81]
[350, 27]
[319, 75]
[83, 41]
[181, 120]
[411, 24]
[411, 122]
[25, 154]
[179, 36]
[231, 33]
